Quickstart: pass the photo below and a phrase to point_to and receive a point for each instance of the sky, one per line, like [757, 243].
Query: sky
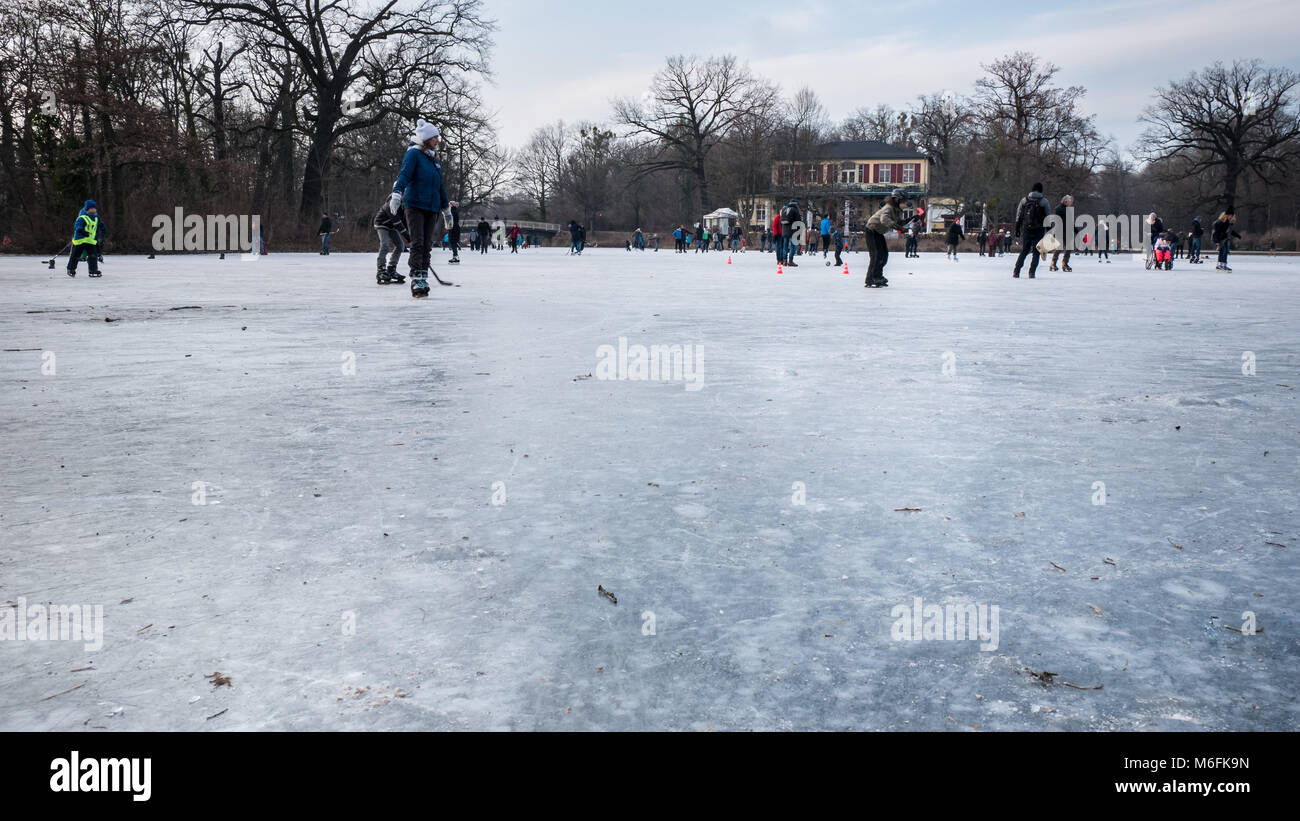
[567, 60]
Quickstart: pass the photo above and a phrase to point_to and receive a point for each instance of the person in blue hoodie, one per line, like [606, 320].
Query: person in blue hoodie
[419, 188]
[86, 236]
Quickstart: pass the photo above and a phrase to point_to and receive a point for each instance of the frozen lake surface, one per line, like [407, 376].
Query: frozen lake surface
[407, 506]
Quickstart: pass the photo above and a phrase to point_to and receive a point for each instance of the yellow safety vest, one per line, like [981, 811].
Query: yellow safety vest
[92, 228]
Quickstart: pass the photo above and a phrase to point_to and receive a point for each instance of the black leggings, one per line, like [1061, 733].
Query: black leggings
[879, 252]
[423, 227]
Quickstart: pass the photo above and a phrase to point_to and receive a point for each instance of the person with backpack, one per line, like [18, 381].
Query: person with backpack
[790, 217]
[888, 218]
[1031, 213]
[1222, 233]
[678, 245]
[393, 238]
[86, 238]
[956, 233]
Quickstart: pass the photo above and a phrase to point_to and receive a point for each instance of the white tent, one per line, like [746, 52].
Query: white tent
[719, 222]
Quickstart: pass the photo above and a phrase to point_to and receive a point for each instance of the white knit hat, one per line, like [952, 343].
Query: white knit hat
[425, 131]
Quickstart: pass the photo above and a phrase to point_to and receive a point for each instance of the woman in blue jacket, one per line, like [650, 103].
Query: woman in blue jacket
[419, 188]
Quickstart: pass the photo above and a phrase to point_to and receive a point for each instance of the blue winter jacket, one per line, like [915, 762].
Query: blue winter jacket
[81, 227]
[420, 181]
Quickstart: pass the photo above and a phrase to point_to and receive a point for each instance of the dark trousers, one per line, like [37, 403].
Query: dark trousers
[879, 252]
[1029, 244]
[453, 236]
[92, 257]
[423, 226]
[826, 244]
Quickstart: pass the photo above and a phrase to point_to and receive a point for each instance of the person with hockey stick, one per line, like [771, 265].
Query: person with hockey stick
[419, 187]
[86, 239]
[393, 238]
[888, 218]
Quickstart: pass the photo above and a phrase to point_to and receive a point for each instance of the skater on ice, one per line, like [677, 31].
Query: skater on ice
[85, 240]
[419, 187]
[1031, 218]
[888, 218]
[393, 239]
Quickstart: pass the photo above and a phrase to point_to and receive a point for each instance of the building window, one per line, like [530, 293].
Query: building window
[849, 177]
[909, 174]
[760, 214]
[885, 172]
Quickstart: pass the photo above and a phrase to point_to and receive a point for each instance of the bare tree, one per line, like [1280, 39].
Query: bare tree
[541, 164]
[882, 124]
[374, 54]
[1228, 121]
[692, 106]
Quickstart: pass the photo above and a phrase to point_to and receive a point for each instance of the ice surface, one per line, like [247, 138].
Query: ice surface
[365, 500]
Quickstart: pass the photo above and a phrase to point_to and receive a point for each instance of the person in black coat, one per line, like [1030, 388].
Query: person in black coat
[484, 235]
[453, 233]
[393, 238]
[1030, 214]
[1194, 240]
[956, 233]
[326, 228]
[1222, 234]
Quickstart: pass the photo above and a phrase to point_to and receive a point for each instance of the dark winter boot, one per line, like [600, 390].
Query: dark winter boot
[381, 276]
[419, 284]
[395, 277]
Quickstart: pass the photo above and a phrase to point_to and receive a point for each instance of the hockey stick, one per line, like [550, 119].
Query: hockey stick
[50, 261]
[440, 280]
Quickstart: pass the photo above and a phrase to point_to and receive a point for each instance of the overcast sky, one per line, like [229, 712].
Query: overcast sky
[566, 60]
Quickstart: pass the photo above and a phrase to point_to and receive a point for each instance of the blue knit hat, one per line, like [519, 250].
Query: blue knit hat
[89, 205]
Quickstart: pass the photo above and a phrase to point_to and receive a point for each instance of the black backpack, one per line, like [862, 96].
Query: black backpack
[787, 214]
[1037, 214]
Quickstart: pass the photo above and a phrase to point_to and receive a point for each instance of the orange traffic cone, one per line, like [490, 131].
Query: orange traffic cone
[728, 259]
[846, 269]
[778, 268]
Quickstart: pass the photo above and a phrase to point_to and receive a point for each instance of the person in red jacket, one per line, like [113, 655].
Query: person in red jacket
[777, 239]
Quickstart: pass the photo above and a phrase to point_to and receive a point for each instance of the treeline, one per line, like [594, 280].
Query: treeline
[707, 132]
[290, 110]
[287, 110]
